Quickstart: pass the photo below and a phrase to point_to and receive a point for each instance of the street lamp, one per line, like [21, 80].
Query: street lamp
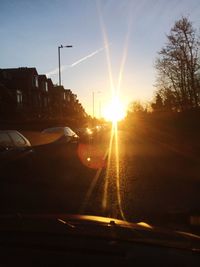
[59, 47]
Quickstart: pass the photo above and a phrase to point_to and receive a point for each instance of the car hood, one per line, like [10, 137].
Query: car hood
[99, 227]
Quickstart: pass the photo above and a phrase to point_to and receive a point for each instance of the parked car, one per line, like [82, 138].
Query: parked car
[60, 135]
[58, 149]
[12, 145]
[15, 152]
[85, 134]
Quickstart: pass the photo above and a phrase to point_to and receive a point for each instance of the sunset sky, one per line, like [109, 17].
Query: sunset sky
[108, 36]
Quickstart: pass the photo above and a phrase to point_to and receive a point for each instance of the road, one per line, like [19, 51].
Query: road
[146, 179]
[130, 176]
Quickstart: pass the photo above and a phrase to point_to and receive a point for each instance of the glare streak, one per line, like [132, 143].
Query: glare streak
[117, 172]
[106, 44]
[114, 144]
[114, 132]
[125, 51]
[91, 188]
[105, 192]
[115, 95]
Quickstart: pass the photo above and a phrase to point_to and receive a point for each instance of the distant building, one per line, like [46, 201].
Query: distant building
[28, 90]
[26, 94]
[22, 84]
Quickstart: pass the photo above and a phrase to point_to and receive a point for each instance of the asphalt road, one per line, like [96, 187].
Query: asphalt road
[126, 175]
[146, 179]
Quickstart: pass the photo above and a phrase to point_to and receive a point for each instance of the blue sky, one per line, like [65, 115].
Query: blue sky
[32, 30]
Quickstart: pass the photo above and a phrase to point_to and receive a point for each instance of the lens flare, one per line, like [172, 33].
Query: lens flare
[112, 200]
[91, 156]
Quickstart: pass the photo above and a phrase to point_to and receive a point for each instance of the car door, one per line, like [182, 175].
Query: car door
[6, 147]
[21, 152]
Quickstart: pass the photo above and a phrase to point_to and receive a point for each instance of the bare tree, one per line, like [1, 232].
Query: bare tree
[177, 66]
[137, 107]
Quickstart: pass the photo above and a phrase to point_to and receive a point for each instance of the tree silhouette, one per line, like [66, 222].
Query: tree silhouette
[178, 66]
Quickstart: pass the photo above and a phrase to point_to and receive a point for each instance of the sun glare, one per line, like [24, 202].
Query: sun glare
[115, 110]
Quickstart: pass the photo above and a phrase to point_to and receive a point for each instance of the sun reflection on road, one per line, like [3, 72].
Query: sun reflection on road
[107, 182]
[105, 192]
[113, 176]
[111, 202]
[117, 171]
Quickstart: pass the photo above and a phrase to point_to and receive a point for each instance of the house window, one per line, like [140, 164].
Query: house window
[46, 86]
[35, 81]
[19, 97]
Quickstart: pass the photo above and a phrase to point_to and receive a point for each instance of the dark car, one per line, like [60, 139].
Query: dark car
[15, 152]
[59, 148]
[12, 145]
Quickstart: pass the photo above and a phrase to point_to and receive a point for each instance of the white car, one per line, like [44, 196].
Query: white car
[61, 134]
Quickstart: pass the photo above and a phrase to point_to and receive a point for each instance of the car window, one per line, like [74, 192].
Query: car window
[5, 140]
[18, 139]
[69, 132]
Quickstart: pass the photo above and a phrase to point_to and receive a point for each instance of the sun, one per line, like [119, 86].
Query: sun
[115, 110]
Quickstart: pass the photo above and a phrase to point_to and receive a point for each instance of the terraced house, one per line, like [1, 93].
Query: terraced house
[26, 94]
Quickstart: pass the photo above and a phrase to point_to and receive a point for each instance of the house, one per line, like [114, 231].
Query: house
[43, 94]
[29, 92]
[22, 85]
[56, 101]
[8, 103]
[26, 94]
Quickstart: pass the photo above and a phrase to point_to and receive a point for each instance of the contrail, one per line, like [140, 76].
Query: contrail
[86, 57]
[55, 71]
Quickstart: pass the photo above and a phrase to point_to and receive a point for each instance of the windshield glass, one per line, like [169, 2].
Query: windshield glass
[69, 132]
[108, 95]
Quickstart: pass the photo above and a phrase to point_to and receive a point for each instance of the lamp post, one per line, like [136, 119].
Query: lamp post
[59, 47]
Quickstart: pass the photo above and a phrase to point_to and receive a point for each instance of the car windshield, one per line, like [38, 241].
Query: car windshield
[108, 95]
[69, 132]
